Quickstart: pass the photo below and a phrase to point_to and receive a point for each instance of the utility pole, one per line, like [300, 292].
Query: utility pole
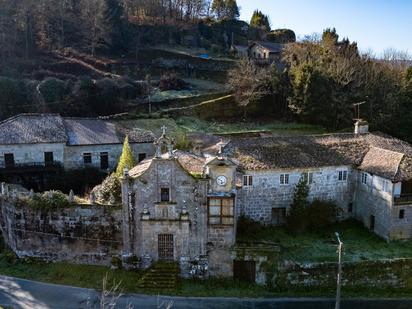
[339, 276]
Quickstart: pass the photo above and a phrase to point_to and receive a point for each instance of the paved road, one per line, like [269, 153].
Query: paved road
[19, 293]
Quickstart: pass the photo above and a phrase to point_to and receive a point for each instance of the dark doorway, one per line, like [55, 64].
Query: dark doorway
[372, 222]
[104, 160]
[244, 271]
[142, 156]
[48, 158]
[9, 160]
[165, 246]
[278, 216]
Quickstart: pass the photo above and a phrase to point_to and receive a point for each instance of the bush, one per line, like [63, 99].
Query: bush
[281, 36]
[247, 228]
[49, 200]
[296, 220]
[111, 185]
[321, 214]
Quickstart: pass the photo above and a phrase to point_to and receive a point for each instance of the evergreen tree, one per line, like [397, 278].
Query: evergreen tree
[296, 220]
[126, 159]
[231, 10]
[260, 20]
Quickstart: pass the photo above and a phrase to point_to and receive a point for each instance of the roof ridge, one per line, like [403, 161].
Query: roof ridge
[7, 120]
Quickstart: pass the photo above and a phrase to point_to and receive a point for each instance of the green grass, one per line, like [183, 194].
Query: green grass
[86, 276]
[359, 243]
[184, 125]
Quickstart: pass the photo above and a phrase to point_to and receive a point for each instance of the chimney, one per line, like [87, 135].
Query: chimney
[361, 126]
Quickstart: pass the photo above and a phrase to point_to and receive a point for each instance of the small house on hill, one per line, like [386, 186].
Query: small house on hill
[266, 51]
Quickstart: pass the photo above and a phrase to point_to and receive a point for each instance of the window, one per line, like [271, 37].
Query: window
[401, 213]
[142, 156]
[350, 208]
[165, 195]
[104, 160]
[343, 175]
[48, 158]
[9, 160]
[308, 177]
[220, 211]
[385, 186]
[247, 181]
[364, 178]
[284, 179]
[87, 158]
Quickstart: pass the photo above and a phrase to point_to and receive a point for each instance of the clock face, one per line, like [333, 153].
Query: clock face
[221, 180]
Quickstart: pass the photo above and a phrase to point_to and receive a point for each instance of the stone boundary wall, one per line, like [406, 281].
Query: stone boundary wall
[388, 273]
[78, 234]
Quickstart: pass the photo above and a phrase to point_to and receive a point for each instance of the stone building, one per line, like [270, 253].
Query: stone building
[179, 206]
[368, 175]
[44, 141]
[265, 52]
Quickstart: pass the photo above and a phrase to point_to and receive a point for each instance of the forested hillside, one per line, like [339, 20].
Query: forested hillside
[325, 77]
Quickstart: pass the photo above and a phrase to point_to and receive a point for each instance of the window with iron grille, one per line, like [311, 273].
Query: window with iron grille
[165, 246]
[221, 211]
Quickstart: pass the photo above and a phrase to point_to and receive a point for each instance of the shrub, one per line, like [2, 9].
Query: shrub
[282, 36]
[49, 200]
[296, 220]
[321, 214]
[247, 228]
[111, 185]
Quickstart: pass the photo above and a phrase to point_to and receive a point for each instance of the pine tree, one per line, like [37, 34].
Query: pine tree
[231, 10]
[126, 159]
[260, 20]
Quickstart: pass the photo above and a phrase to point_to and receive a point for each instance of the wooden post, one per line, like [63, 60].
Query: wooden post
[339, 276]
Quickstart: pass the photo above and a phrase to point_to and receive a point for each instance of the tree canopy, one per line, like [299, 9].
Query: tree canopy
[260, 20]
[126, 159]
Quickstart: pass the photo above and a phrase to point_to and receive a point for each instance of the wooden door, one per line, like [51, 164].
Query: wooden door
[244, 271]
[278, 216]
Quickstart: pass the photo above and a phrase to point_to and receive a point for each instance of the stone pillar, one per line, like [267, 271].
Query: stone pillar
[127, 248]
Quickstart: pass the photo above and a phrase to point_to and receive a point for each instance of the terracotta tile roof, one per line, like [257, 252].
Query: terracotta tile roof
[32, 129]
[381, 162]
[140, 168]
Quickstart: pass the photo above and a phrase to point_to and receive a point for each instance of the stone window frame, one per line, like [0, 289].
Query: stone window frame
[9, 160]
[343, 175]
[284, 179]
[308, 176]
[247, 181]
[385, 186]
[161, 195]
[364, 178]
[223, 219]
[87, 155]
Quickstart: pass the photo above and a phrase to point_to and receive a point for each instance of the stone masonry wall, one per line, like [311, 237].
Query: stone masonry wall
[73, 156]
[79, 234]
[266, 192]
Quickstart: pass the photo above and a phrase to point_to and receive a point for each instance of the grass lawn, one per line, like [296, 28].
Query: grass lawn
[183, 125]
[359, 243]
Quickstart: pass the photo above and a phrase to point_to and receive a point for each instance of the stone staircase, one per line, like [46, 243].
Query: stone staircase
[161, 277]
